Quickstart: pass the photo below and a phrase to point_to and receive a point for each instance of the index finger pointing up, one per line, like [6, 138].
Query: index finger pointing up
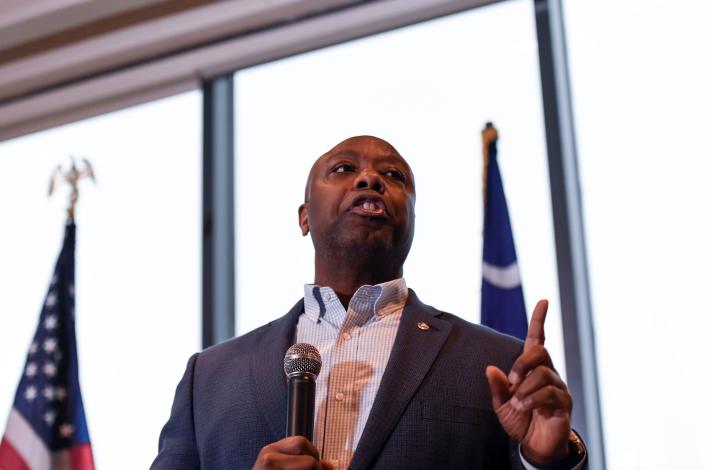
[535, 334]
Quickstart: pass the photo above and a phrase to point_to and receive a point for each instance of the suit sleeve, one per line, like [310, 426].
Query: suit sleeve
[177, 441]
[515, 458]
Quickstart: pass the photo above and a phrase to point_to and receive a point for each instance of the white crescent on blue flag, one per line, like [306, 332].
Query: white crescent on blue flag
[47, 429]
[503, 306]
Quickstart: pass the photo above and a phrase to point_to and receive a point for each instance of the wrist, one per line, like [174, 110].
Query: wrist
[539, 460]
[576, 453]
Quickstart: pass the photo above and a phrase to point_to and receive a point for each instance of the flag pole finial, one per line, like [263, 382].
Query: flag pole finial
[71, 176]
[489, 136]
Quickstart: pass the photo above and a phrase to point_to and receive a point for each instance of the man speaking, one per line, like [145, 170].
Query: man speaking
[402, 385]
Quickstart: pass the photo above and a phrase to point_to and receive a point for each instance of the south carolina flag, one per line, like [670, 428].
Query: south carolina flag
[502, 297]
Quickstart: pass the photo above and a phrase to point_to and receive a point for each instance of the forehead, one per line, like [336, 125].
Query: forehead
[361, 147]
[367, 148]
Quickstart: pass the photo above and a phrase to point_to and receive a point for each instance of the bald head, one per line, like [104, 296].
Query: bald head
[365, 144]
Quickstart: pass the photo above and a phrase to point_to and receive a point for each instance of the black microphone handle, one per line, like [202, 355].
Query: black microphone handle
[300, 405]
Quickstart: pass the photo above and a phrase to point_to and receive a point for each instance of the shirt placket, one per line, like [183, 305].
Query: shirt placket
[344, 385]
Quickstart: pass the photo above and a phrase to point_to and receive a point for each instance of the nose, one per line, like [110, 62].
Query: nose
[369, 179]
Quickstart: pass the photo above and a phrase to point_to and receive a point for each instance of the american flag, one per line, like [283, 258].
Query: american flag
[47, 429]
[502, 296]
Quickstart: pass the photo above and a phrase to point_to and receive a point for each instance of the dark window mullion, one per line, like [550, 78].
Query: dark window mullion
[218, 214]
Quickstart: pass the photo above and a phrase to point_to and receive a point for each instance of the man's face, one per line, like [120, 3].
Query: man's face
[360, 195]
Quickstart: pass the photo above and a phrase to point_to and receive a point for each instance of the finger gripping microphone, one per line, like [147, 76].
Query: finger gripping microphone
[302, 363]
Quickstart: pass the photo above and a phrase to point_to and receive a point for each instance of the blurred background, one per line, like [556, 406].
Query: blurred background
[201, 120]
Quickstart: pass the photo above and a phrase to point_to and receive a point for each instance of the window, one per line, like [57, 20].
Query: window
[638, 99]
[138, 253]
[428, 89]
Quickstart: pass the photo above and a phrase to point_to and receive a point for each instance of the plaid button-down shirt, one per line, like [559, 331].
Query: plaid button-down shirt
[355, 347]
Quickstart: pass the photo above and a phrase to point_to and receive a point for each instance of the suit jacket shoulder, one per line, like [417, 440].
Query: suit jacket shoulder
[230, 402]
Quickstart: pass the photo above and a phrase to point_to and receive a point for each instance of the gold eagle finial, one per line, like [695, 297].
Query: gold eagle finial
[71, 175]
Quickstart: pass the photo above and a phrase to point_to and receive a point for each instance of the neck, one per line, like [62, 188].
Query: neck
[345, 277]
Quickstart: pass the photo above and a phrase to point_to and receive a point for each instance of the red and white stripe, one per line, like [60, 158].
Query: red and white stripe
[22, 449]
[25, 448]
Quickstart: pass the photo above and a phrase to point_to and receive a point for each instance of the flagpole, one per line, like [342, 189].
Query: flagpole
[489, 136]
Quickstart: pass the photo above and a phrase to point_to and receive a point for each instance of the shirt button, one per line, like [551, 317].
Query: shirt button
[339, 396]
[347, 336]
[326, 296]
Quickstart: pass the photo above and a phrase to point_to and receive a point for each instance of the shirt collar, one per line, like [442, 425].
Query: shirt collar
[381, 299]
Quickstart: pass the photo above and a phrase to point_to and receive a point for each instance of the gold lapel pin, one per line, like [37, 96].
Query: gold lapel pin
[423, 326]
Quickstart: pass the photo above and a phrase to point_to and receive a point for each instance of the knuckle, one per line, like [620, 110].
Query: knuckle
[568, 401]
[521, 365]
[298, 441]
[547, 375]
[556, 396]
[537, 354]
[267, 459]
[310, 462]
[530, 360]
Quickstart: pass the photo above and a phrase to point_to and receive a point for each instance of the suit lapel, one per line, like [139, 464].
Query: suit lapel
[268, 369]
[414, 351]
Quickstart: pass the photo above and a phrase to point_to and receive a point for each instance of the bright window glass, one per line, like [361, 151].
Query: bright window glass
[638, 76]
[428, 89]
[137, 264]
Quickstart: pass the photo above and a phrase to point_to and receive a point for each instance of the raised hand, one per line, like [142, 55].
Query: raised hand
[533, 404]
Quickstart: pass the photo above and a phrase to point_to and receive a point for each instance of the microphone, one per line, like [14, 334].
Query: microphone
[302, 363]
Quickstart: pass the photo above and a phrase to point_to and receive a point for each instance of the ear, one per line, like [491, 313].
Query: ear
[303, 218]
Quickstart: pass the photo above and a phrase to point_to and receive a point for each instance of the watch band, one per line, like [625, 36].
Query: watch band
[577, 453]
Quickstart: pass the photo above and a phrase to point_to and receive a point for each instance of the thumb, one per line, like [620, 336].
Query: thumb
[499, 386]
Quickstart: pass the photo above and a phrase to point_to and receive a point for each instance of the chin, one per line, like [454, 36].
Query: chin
[375, 246]
[359, 240]
[360, 244]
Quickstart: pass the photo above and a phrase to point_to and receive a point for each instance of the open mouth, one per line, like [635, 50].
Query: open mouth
[369, 207]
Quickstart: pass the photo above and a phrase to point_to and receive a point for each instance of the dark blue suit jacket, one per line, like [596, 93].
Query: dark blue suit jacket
[432, 410]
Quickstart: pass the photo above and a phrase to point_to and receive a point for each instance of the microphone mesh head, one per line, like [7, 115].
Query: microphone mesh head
[302, 358]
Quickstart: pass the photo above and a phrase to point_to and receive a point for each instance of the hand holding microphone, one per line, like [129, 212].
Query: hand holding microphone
[302, 364]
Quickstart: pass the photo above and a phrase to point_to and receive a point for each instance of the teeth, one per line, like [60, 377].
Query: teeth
[371, 206]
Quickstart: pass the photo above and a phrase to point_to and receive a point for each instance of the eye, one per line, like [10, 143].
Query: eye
[396, 174]
[343, 168]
